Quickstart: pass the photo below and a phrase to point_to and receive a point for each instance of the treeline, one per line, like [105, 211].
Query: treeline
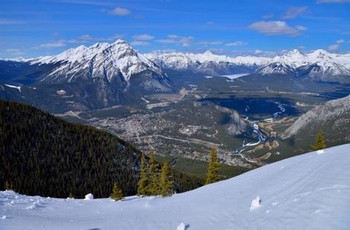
[44, 155]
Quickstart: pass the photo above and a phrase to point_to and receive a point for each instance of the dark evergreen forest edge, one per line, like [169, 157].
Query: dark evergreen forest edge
[44, 155]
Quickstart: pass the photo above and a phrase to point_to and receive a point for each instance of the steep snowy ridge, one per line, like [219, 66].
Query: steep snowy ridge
[310, 191]
[101, 60]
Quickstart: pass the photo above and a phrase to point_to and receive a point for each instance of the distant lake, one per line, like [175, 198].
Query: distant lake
[257, 107]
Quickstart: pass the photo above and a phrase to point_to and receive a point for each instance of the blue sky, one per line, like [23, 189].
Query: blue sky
[31, 28]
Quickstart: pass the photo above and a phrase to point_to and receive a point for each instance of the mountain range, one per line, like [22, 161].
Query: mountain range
[113, 86]
[320, 64]
[119, 64]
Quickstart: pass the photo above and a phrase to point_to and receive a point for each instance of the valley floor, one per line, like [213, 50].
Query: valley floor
[311, 191]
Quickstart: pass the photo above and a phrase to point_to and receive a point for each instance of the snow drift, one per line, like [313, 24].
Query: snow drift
[310, 191]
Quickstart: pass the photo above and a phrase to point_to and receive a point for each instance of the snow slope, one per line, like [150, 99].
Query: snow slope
[310, 191]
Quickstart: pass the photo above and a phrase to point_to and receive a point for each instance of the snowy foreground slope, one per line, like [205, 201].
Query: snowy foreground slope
[311, 191]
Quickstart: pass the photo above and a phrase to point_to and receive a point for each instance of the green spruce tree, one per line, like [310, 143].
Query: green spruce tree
[143, 182]
[166, 183]
[71, 196]
[117, 193]
[320, 142]
[7, 185]
[153, 189]
[213, 168]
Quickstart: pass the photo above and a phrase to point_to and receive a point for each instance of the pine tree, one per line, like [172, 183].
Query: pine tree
[117, 193]
[213, 168]
[166, 183]
[7, 185]
[143, 182]
[320, 142]
[153, 188]
[71, 196]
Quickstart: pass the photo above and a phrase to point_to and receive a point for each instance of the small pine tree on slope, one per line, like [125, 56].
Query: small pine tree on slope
[166, 183]
[153, 188]
[117, 193]
[320, 142]
[143, 180]
[213, 168]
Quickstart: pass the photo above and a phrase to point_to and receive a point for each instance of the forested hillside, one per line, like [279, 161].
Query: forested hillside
[44, 155]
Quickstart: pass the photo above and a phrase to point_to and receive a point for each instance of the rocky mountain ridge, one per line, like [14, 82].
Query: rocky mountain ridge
[320, 64]
[332, 117]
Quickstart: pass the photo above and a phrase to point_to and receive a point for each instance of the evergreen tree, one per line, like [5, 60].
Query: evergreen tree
[7, 185]
[71, 196]
[117, 193]
[213, 168]
[143, 180]
[320, 142]
[153, 189]
[166, 183]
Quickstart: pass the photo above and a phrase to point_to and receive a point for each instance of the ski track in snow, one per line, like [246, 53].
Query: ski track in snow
[310, 191]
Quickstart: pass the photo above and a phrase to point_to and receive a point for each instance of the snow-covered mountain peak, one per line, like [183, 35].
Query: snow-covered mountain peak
[120, 41]
[295, 54]
[208, 53]
[321, 56]
[320, 53]
[106, 61]
[292, 58]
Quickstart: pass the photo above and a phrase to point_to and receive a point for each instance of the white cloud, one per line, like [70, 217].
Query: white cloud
[139, 43]
[333, 47]
[336, 45]
[294, 12]
[210, 42]
[143, 37]
[175, 39]
[9, 22]
[86, 37]
[268, 16]
[332, 1]
[276, 28]
[15, 52]
[301, 28]
[82, 2]
[121, 11]
[210, 23]
[53, 45]
[235, 43]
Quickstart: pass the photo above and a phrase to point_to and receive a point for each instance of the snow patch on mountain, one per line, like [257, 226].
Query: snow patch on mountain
[14, 87]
